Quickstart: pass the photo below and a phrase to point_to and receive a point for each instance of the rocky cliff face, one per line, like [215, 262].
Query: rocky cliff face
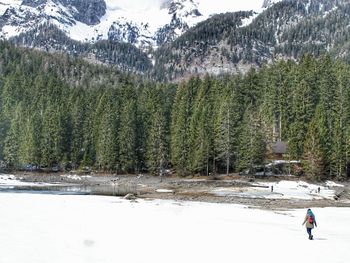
[65, 12]
[86, 11]
[34, 3]
[181, 11]
[180, 14]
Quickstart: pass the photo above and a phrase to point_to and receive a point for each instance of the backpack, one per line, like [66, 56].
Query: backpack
[311, 219]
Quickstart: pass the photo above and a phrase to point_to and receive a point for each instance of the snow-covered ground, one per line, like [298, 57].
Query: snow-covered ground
[55, 229]
[282, 190]
[10, 181]
[75, 177]
[4, 5]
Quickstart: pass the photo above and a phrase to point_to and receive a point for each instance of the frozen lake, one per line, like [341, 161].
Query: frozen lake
[64, 228]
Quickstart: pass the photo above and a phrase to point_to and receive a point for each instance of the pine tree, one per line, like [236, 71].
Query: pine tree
[327, 93]
[303, 111]
[127, 136]
[180, 127]
[304, 101]
[227, 126]
[10, 98]
[277, 83]
[30, 143]
[142, 124]
[313, 156]
[347, 154]
[202, 130]
[78, 116]
[252, 145]
[90, 135]
[341, 122]
[157, 153]
[107, 132]
[13, 139]
[52, 136]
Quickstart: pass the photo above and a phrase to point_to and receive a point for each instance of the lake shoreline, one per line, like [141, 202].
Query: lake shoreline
[249, 191]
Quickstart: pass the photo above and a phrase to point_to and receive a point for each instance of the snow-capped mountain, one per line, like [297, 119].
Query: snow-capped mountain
[174, 39]
[235, 42]
[139, 22]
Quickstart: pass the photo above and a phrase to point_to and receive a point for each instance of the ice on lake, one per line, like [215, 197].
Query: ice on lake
[63, 228]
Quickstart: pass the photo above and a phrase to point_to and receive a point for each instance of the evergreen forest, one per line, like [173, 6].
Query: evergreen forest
[57, 111]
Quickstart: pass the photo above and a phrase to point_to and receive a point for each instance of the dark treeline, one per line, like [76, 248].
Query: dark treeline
[59, 111]
[229, 124]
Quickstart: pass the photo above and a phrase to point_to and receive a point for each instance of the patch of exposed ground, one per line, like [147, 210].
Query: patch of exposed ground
[191, 188]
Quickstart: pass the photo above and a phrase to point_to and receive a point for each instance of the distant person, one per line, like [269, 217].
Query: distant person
[318, 189]
[310, 221]
[271, 188]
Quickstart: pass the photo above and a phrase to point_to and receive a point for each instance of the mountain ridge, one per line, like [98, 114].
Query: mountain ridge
[190, 42]
[285, 30]
[93, 20]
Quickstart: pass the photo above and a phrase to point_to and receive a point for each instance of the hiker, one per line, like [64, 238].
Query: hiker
[318, 189]
[310, 221]
[271, 188]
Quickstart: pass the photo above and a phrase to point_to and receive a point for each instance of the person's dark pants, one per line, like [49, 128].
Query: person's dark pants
[309, 232]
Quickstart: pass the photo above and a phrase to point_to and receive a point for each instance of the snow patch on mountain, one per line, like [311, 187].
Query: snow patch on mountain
[139, 22]
[209, 7]
[143, 15]
[5, 4]
[21, 18]
[247, 21]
